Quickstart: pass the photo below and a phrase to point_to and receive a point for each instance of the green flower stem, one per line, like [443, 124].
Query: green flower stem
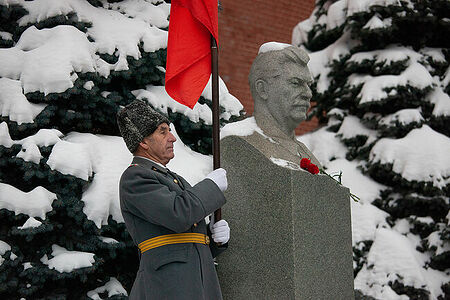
[353, 196]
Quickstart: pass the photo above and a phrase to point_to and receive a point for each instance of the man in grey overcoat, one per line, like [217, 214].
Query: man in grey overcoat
[165, 215]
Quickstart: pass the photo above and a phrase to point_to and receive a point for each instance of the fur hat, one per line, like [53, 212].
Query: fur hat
[136, 121]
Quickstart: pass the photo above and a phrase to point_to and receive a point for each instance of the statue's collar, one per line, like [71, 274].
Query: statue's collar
[270, 127]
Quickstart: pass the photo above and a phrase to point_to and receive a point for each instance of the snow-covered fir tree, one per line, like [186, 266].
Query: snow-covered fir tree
[66, 67]
[382, 91]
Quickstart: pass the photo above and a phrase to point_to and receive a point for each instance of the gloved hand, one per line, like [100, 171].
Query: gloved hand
[219, 176]
[220, 231]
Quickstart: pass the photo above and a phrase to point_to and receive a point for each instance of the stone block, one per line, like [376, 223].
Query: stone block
[290, 230]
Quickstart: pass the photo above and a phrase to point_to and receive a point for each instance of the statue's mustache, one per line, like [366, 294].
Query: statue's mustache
[302, 102]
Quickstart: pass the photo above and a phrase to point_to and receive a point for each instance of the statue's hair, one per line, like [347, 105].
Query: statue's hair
[270, 64]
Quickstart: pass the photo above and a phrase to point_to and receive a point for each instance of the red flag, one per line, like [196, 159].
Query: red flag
[188, 68]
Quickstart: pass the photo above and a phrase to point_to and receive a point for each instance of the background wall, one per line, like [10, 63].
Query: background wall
[245, 25]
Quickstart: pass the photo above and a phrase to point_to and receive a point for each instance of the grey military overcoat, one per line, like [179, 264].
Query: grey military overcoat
[154, 203]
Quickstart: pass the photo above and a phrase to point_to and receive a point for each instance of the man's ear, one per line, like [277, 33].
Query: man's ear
[261, 89]
[143, 144]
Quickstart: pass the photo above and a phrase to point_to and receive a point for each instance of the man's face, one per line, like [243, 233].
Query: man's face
[289, 94]
[159, 145]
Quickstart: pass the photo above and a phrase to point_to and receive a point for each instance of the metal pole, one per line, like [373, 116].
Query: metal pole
[215, 112]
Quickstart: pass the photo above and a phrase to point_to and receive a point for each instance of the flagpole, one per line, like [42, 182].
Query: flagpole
[215, 111]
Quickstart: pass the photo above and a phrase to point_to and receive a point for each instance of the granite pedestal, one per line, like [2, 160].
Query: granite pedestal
[290, 231]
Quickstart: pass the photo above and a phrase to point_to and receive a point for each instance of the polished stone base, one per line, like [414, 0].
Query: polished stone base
[290, 231]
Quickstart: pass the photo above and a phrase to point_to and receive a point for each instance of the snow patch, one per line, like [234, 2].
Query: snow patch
[324, 145]
[67, 261]
[336, 14]
[352, 177]
[357, 6]
[30, 223]
[231, 104]
[71, 159]
[376, 23]
[108, 240]
[387, 56]
[145, 11]
[374, 88]
[352, 127]
[300, 32]
[392, 257]
[113, 287]
[106, 157]
[441, 102]
[30, 152]
[6, 35]
[272, 46]
[244, 127]
[406, 154]
[27, 265]
[5, 138]
[285, 164]
[88, 85]
[35, 203]
[51, 56]
[185, 158]
[44, 137]
[404, 117]
[160, 100]
[319, 61]
[435, 54]
[14, 104]
[4, 247]
[47, 60]
[434, 240]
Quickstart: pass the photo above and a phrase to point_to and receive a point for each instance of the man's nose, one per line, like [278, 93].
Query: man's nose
[172, 138]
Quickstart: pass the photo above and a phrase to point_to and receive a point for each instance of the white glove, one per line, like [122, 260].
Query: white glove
[219, 176]
[220, 231]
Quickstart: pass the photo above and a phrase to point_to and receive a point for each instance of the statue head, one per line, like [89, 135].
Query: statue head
[280, 85]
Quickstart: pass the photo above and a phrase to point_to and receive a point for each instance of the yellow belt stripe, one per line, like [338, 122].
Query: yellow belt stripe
[176, 238]
[168, 242]
[202, 239]
[173, 236]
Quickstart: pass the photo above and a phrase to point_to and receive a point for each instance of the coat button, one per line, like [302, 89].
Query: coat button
[176, 181]
[207, 240]
[195, 224]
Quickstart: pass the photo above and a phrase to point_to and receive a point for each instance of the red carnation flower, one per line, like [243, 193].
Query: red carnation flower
[304, 163]
[313, 169]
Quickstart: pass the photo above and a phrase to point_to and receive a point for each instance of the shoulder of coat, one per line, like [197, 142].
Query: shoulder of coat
[152, 168]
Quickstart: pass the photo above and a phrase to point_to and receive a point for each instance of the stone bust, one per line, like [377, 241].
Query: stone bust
[280, 85]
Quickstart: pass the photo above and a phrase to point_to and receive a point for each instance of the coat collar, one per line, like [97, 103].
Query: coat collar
[148, 164]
